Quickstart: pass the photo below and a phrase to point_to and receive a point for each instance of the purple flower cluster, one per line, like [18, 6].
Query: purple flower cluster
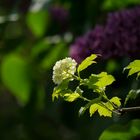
[118, 38]
[59, 13]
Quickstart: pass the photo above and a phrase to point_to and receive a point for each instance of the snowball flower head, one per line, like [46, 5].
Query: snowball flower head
[64, 69]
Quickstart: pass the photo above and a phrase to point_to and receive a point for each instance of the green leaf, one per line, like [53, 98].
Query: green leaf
[93, 109]
[83, 109]
[70, 97]
[116, 101]
[16, 77]
[87, 62]
[122, 131]
[132, 95]
[104, 80]
[37, 22]
[98, 82]
[60, 90]
[104, 109]
[134, 67]
[55, 93]
[91, 82]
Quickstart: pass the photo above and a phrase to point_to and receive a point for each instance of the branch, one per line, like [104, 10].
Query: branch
[128, 109]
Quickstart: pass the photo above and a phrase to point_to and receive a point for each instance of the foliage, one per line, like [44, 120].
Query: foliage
[15, 71]
[134, 67]
[41, 18]
[122, 132]
[113, 5]
[87, 62]
[133, 94]
[96, 82]
[34, 35]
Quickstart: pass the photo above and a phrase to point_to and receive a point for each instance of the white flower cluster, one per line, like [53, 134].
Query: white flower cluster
[64, 69]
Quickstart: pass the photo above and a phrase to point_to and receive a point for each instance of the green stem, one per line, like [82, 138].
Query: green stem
[85, 99]
[106, 98]
[75, 77]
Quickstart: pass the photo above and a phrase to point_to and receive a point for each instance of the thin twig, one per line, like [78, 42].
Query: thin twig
[129, 109]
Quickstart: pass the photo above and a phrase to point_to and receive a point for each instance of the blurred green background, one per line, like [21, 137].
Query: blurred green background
[34, 34]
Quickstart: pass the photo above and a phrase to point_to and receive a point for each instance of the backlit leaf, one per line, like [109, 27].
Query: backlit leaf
[55, 93]
[98, 82]
[88, 105]
[132, 95]
[60, 89]
[71, 97]
[87, 62]
[104, 109]
[116, 101]
[104, 80]
[93, 109]
[134, 67]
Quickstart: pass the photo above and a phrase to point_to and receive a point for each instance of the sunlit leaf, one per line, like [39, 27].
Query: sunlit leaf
[93, 109]
[133, 94]
[88, 105]
[104, 109]
[16, 77]
[98, 82]
[59, 90]
[87, 62]
[70, 97]
[104, 80]
[55, 93]
[116, 101]
[91, 83]
[134, 67]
